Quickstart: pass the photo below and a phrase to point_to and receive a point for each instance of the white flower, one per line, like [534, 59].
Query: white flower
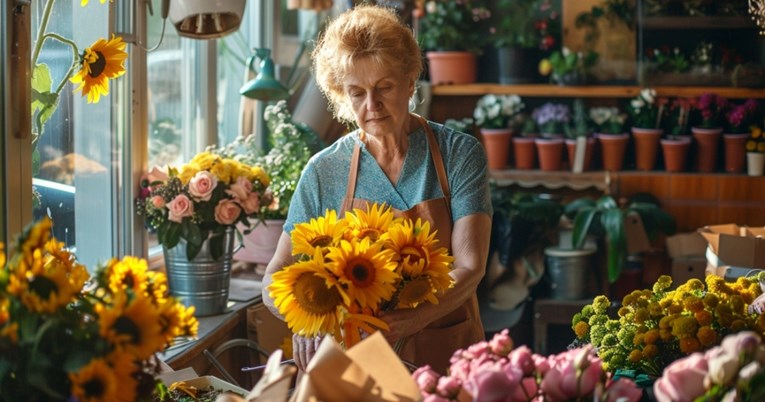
[493, 110]
[565, 51]
[648, 94]
[637, 103]
[430, 7]
[479, 115]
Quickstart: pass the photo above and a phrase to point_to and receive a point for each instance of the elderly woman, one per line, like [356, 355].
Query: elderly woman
[366, 63]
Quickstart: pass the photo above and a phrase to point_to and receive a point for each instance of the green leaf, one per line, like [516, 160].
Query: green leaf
[582, 224]
[41, 78]
[35, 162]
[192, 250]
[172, 235]
[194, 234]
[613, 223]
[216, 246]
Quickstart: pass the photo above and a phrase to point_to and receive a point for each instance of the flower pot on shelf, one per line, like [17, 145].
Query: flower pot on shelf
[675, 153]
[755, 163]
[550, 153]
[259, 246]
[496, 141]
[646, 147]
[524, 152]
[589, 150]
[517, 65]
[707, 140]
[735, 152]
[451, 67]
[612, 148]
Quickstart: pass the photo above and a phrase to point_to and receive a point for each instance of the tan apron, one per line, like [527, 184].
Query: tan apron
[436, 343]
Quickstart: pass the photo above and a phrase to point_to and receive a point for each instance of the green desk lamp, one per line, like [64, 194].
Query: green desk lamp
[264, 86]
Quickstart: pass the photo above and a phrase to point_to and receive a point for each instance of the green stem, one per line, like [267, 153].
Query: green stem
[41, 31]
[75, 57]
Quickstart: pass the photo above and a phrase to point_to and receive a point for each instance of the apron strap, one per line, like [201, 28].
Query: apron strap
[353, 172]
[438, 162]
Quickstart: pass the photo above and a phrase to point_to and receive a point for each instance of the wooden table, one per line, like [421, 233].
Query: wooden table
[551, 311]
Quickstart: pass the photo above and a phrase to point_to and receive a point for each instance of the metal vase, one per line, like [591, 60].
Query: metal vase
[201, 282]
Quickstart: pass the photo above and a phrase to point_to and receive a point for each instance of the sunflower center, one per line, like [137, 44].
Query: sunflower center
[129, 281]
[370, 233]
[97, 67]
[312, 294]
[43, 286]
[415, 254]
[94, 387]
[361, 272]
[321, 241]
[125, 325]
[415, 291]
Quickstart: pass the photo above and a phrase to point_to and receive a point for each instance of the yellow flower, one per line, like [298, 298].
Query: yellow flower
[257, 173]
[286, 347]
[320, 232]
[156, 286]
[132, 324]
[372, 224]
[84, 3]
[102, 61]
[581, 329]
[124, 367]
[95, 382]
[128, 273]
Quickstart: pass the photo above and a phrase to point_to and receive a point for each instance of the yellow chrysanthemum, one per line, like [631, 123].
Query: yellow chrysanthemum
[304, 294]
[102, 61]
[581, 329]
[365, 270]
[132, 324]
[128, 273]
[317, 233]
[95, 382]
[372, 224]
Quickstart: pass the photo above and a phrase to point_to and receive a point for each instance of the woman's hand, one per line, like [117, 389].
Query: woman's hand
[303, 350]
[402, 323]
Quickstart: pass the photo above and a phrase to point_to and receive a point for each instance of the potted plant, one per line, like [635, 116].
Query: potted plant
[646, 112]
[492, 114]
[520, 31]
[551, 118]
[524, 150]
[609, 129]
[709, 112]
[605, 219]
[579, 141]
[738, 118]
[567, 67]
[755, 151]
[291, 145]
[451, 33]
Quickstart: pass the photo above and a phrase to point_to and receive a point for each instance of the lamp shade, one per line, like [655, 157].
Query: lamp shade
[264, 86]
[206, 19]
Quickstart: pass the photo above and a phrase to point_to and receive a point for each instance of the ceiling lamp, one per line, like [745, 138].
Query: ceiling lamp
[206, 19]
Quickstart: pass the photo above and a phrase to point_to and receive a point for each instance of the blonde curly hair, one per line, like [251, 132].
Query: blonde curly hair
[366, 31]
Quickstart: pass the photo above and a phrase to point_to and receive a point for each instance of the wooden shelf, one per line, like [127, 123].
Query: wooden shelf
[549, 90]
[698, 23]
[600, 180]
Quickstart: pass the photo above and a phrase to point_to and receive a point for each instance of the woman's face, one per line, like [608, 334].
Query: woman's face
[379, 98]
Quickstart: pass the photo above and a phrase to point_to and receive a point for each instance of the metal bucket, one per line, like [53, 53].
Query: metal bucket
[201, 282]
[569, 272]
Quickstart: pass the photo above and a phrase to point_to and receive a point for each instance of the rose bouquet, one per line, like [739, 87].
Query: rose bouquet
[494, 371]
[496, 111]
[349, 270]
[67, 336]
[202, 199]
[733, 371]
[658, 326]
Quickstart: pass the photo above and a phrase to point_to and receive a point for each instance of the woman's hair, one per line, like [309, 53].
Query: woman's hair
[366, 31]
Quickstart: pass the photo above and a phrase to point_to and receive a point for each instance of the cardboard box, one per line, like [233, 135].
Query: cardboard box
[265, 329]
[684, 269]
[734, 245]
[686, 245]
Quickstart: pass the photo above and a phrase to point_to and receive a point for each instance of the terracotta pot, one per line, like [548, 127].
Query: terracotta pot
[707, 140]
[589, 150]
[675, 153]
[612, 148]
[496, 141]
[550, 152]
[451, 67]
[646, 147]
[755, 163]
[735, 152]
[525, 152]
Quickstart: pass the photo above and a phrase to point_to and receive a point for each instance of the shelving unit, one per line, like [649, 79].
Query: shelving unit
[550, 90]
[600, 180]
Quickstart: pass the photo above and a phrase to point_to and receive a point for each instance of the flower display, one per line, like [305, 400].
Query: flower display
[496, 111]
[496, 371]
[732, 371]
[740, 117]
[350, 269]
[65, 335]
[646, 110]
[608, 120]
[526, 24]
[569, 67]
[711, 109]
[551, 117]
[658, 326]
[202, 199]
[756, 141]
[447, 25]
[678, 112]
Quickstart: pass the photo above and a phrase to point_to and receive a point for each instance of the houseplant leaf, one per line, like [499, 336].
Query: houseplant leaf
[613, 224]
[582, 225]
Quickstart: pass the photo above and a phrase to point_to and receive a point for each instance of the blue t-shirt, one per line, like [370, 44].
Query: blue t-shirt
[324, 180]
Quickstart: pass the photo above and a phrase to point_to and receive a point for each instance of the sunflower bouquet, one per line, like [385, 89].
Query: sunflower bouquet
[658, 326]
[349, 270]
[69, 336]
[203, 199]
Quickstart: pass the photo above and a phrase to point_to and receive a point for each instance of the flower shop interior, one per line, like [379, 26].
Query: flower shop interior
[625, 150]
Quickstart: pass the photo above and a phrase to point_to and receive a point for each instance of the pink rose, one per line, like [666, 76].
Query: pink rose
[435, 398]
[202, 185]
[426, 378]
[572, 374]
[521, 358]
[683, 380]
[448, 387]
[251, 204]
[179, 208]
[157, 174]
[501, 344]
[528, 388]
[490, 384]
[158, 201]
[623, 390]
[227, 212]
[241, 189]
[741, 342]
[542, 363]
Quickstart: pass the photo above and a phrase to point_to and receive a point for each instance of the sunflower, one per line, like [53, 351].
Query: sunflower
[372, 223]
[177, 320]
[156, 287]
[44, 283]
[303, 292]
[95, 382]
[102, 61]
[417, 253]
[131, 324]
[128, 273]
[35, 236]
[365, 270]
[318, 233]
[125, 369]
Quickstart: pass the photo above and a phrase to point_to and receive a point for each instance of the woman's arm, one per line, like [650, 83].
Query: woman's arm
[470, 248]
[282, 257]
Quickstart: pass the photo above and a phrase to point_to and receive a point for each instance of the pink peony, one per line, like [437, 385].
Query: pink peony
[179, 208]
[623, 389]
[227, 212]
[448, 387]
[572, 374]
[202, 185]
[426, 378]
[683, 380]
